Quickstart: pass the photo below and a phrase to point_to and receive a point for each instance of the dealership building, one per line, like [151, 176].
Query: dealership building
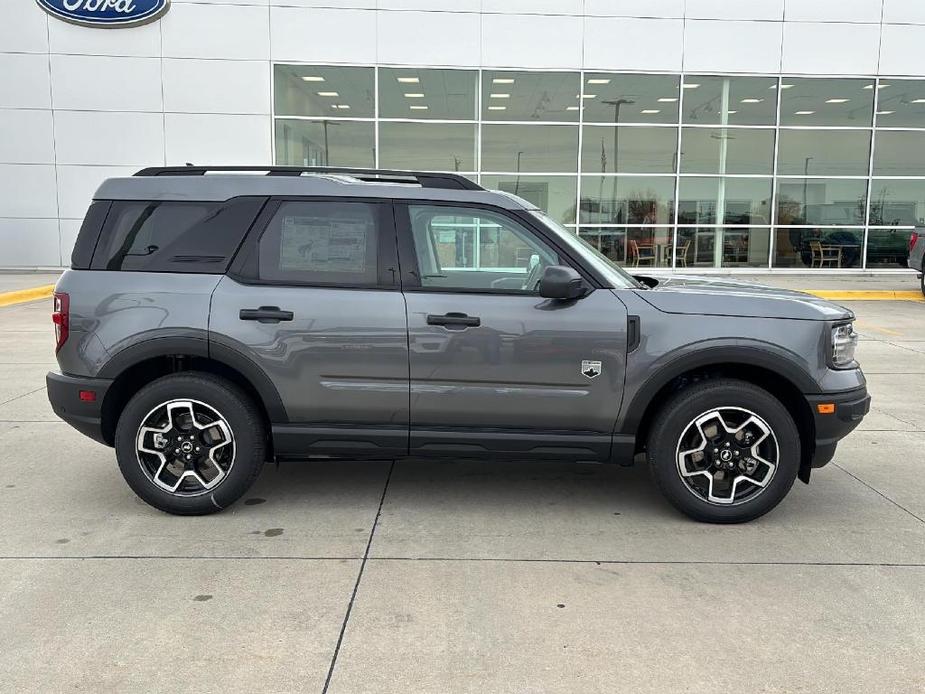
[768, 135]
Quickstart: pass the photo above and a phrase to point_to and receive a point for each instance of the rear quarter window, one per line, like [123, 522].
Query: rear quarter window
[171, 236]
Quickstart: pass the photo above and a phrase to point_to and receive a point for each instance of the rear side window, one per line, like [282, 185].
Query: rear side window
[89, 234]
[321, 242]
[169, 236]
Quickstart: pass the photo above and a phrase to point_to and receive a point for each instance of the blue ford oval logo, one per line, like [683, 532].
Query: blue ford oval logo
[105, 13]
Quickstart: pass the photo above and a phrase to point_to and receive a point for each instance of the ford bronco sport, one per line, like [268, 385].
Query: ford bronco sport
[215, 318]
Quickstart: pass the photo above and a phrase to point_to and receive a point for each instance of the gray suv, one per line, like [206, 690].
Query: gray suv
[216, 318]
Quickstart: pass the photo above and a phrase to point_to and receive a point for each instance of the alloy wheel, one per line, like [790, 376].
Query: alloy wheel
[185, 447]
[727, 456]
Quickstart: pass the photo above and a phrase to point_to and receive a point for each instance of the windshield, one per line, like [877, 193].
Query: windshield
[613, 273]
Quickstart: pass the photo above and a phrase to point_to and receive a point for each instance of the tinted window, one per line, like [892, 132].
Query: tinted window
[463, 248]
[159, 236]
[321, 243]
[89, 234]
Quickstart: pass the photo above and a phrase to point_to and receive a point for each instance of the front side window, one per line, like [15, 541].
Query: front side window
[465, 248]
[321, 243]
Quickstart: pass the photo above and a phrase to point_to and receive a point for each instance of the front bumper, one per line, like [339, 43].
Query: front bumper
[85, 416]
[849, 409]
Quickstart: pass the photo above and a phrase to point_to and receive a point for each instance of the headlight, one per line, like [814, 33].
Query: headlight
[844, 342]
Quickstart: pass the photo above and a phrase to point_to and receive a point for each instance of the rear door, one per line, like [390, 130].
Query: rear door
[313, 299]
[495, 367]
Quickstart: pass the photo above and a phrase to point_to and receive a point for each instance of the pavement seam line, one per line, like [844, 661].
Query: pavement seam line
[21, 296]
[356, 586]
[877, 491]
[7, 402]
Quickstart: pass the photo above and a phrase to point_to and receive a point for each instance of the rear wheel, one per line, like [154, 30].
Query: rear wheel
[190, 444]
[724, 451]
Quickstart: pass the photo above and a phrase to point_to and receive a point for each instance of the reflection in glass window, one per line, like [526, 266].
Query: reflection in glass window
[823, 152]
[555, 195]
[729, 100]
[824, 201]
[723, 247]
[632, 246]
[898, 153]
[627, 200]
[311, 90]
[901, 103]
[423, 93]
[888, 248]
[897, 202]
[811, 101]
[423, 146]
[818, 248]
[712, 200]
[325, 143]
[639, 150]
[532, 148]
[530, 96]
[613, 98]
[727, 150]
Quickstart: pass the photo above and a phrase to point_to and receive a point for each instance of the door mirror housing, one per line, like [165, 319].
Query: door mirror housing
[562, 282]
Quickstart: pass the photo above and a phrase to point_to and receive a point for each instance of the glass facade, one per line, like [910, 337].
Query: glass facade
[663, 170]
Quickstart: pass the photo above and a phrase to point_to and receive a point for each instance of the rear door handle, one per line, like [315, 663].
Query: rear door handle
[449, 320]
[265, 314]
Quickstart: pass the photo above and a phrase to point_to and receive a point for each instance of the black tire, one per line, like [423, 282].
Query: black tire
[239, 412]
[684, 408]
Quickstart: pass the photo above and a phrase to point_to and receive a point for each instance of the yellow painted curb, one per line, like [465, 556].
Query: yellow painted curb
[23, 295]
[866, 295]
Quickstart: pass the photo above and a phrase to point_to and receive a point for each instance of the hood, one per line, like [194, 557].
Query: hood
[728, 297]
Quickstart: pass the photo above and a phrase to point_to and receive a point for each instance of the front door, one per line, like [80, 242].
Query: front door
[495, 367]
[314, 301]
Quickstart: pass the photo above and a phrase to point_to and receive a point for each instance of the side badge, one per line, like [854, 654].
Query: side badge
[590, 369]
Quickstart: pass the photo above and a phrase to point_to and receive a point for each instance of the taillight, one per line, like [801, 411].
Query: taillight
[61, 317]
[913, 240]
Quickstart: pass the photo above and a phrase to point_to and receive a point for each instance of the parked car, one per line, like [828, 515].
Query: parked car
[212, 322]
[917, 253]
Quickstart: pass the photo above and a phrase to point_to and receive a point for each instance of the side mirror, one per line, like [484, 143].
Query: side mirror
[561, 282]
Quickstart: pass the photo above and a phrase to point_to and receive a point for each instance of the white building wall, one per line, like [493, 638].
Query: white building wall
[79, 104]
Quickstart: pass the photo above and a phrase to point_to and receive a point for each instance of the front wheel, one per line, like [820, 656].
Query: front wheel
[724, 451]
[190, 443]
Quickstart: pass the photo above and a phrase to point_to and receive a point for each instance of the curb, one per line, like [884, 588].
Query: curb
[866, 295]
[21, 296]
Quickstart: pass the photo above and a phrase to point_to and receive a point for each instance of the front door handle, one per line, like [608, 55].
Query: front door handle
[452, 320]
[265, 314]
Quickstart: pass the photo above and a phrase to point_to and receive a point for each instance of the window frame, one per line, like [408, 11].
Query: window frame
[410, 273]
[245, 267]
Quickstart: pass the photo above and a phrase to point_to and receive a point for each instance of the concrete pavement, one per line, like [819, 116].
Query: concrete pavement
[461, 576]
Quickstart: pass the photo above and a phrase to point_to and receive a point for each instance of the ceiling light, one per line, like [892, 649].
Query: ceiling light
[752, 101]
[836, 101]
[885, 113]
[497, 95]
[879, 86]
[503, 80]
[568, 108]
[343, 105]
[783, 86]
[418, 108]
[648, 111]
[312, 78]
[414, 95]
[731, 112]
[587, 96]
[328, 94]
[408, 80]
[803, 113]
[690, 85]
[497, 108]
[667, 100]
[597, 80]
[917, 101]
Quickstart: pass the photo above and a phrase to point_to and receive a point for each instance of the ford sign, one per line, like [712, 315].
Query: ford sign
[105, 13]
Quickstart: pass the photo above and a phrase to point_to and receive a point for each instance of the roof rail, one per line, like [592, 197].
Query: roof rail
[425, 179]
